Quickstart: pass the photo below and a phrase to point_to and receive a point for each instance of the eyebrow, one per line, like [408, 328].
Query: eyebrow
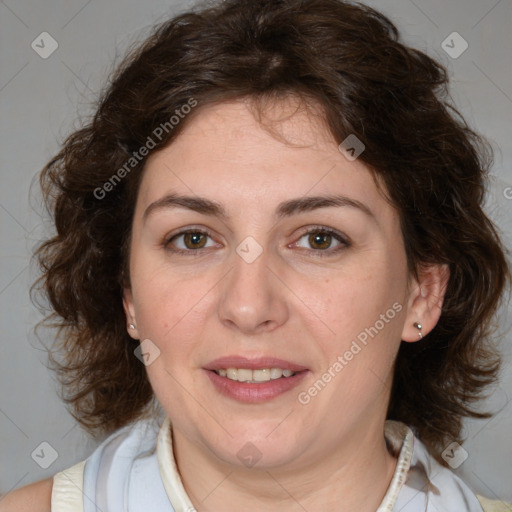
[285, 209]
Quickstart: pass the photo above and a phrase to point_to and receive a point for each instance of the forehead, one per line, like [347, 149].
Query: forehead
[227, 153]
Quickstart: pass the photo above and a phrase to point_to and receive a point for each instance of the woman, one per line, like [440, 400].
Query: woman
[272, 228]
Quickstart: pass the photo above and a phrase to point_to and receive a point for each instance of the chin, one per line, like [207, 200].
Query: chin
[259, 448]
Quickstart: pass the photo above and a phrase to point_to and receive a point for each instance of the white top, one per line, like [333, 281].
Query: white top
[134, 470]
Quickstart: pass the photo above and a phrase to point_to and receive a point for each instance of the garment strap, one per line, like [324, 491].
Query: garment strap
[67, 491]
[494, 505]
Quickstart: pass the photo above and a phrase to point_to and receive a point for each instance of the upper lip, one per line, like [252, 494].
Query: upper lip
[252, 363]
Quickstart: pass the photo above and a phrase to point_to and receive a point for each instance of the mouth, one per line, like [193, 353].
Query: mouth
[254, 380]
[254, 376]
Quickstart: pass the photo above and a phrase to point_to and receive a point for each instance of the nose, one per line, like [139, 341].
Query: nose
[253, 299]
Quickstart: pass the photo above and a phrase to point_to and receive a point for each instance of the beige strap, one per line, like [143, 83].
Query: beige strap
[494, 505]
[67, 492]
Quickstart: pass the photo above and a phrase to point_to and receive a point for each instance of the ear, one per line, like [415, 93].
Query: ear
[425, 301]
[129, 311]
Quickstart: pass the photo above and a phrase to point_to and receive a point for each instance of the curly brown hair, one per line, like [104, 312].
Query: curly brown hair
[348, 59]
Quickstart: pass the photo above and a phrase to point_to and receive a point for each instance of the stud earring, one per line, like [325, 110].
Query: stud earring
[418, 326]
[132, 326]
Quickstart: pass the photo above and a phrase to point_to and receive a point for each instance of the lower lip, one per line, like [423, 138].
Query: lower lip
[254, 393]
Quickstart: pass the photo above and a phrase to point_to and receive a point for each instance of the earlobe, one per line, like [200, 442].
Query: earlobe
[419, 327]
[129, 311]
[425, 302]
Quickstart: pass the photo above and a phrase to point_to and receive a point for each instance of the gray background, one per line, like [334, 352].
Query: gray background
[40, 101]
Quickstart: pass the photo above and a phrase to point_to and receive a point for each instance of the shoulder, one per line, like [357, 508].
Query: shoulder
[494, 505]
[35, 497]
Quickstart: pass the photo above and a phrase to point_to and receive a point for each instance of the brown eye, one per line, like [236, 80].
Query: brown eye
[189, 241]
[320, 240]
[194, 240]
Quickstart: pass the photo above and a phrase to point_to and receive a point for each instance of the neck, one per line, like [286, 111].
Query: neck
[359, 466]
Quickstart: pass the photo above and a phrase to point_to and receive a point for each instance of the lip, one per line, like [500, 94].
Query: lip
[251, 392]
[253, 364]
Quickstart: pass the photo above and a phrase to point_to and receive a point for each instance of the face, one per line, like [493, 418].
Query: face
[253, 259]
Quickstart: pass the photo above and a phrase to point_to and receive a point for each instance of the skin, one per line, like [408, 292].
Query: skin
[35, 497]
[289, 303]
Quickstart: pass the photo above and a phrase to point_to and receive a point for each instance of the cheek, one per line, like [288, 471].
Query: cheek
[165, 298]
[349, 302]
[362, 309]
[171, 320]
[172, 316]
[175, 313]
[358, 355]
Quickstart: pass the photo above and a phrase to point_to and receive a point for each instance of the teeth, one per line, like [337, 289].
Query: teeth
[244, 374]
[275, 373]
[253, 376]
[261, 375]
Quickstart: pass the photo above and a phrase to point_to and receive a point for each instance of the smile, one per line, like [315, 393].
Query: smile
[254, 380]
[254, 376]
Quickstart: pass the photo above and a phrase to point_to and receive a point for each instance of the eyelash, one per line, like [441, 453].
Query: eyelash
[344, 242]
